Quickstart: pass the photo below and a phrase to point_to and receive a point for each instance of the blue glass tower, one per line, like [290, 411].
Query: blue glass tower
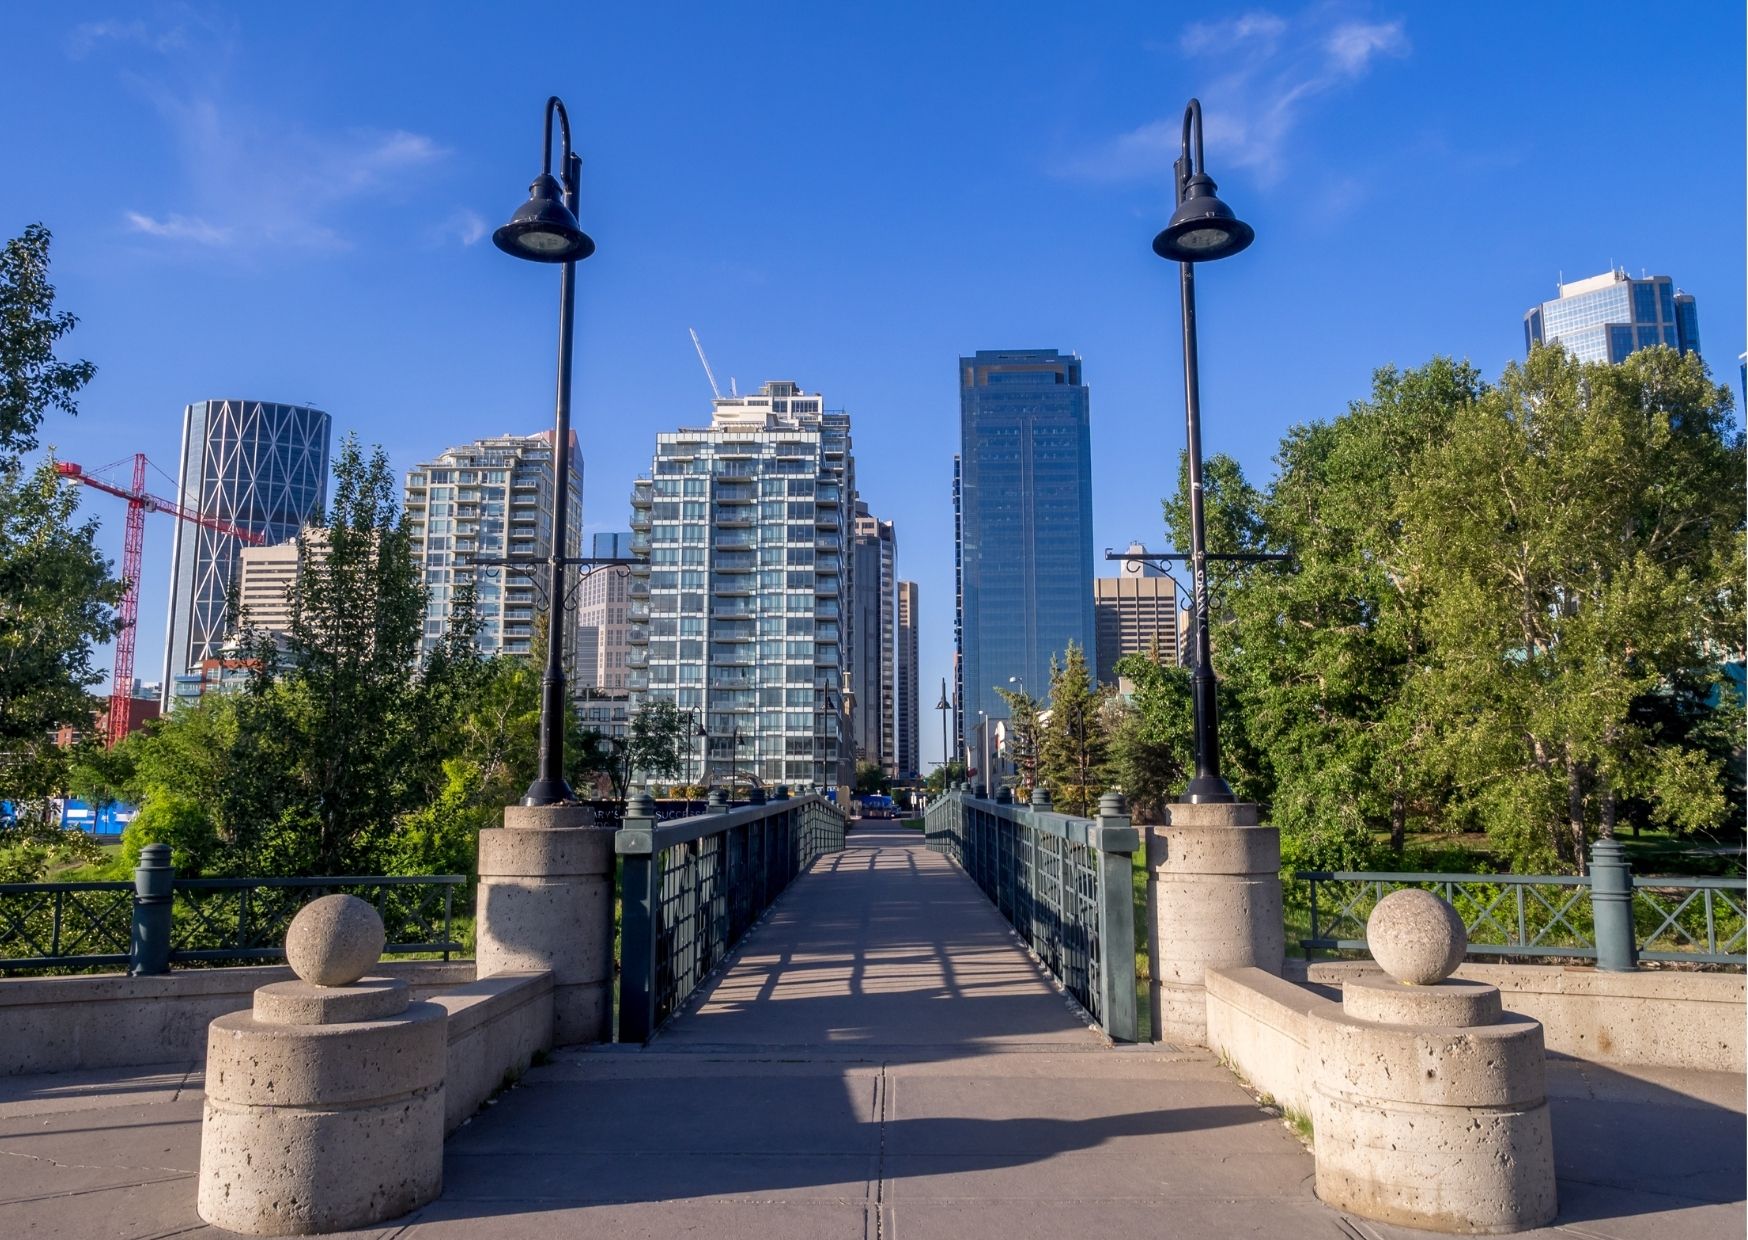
[1607, 317]
[1025, 523]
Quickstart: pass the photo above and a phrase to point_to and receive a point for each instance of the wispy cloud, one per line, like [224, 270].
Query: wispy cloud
[463, 225]
[86, 37]
[178, 228]
[246, 179]
[1266, 71]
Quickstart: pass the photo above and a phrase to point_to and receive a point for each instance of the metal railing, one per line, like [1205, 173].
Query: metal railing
[1063, 883]
[690, 888]
[158, 920]
[1610, 916]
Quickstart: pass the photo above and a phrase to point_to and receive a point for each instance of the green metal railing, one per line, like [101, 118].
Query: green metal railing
[159, 920]
[691, 888]
[1063, 883]
[1611, 916]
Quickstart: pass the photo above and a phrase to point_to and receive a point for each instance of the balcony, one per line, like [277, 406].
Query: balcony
[641, 496]
[640, 544]
[738, 658]
[731, 518]
[732, 611]
[637, 635]
[735, 493]
[638, 659]
[637, 588]
[828, 542]
[639, 521]
[732, 678]
[735, 562]
[732, 587]
[635, 612]
[637, 681]
[640, 568]
[733, 542]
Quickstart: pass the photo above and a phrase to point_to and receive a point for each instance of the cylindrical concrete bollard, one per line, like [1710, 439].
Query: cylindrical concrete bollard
[324, 1105]
[546, 902]
[1429, 1103]
[1215, 903]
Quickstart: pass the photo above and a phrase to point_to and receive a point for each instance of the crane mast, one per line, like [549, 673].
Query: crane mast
[139, 502]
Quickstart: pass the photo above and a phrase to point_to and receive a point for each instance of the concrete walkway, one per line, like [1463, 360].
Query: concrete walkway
[881, 1061]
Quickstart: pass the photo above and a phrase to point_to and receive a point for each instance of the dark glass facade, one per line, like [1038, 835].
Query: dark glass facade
[1025, 523]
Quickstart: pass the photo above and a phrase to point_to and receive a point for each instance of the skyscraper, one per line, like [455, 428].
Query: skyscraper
[873, 631]
[492, 500]
[908, 710]
[738, 613]
[1026, 554]
[254, 464]
[602, 649]
[1136, 613]
[1606, 317]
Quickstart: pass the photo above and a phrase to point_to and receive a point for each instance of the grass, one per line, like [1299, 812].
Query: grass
[1296, 1121]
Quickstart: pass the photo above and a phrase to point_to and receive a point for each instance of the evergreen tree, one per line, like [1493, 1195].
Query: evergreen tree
[1074, 749]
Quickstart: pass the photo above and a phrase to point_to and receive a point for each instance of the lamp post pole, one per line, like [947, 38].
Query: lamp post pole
[545, 230]
[1202, 229]
[944, 706]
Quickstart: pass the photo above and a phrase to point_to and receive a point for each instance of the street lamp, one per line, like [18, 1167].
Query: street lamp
[545, 230]
[1201, 230]
[983, 726]
[944, 706]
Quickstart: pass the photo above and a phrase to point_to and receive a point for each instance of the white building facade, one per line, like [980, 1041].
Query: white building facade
[737, 614]
[476, 506]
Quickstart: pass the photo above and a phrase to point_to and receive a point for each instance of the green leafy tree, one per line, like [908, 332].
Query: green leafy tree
[938, 779]
[56, 595]
[1024, 738]
[1152, 738]
[1073, 751]
[1580, 531]
[660, 738]
[1326, 653]
[32, 379]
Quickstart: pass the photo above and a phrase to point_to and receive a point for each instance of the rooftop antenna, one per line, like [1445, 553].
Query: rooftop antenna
[699, 345]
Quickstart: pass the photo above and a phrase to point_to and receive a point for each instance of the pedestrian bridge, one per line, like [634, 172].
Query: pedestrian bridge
[879, 1057]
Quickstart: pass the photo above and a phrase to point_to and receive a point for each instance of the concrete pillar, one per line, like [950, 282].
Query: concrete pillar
[1430, 1103]
[546, 902]
[1213, 901]
[324, 1104]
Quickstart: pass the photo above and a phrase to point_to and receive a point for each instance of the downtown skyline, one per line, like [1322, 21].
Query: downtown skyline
[418, 338]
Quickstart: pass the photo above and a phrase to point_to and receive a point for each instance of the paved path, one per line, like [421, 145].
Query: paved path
[882, 1062]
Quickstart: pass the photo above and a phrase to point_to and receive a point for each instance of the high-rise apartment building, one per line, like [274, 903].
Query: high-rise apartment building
[260, 466]
[1606, 317]
[267, 585]
[738, 615]
[1136, 613]
[1026, 547]
[602, 649]
[477, 506]
[909, 720]
[872, 634]
[956, 701]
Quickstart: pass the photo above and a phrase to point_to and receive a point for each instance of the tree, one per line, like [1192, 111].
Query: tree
[1325, 652]
[871, 779]
[1023, 739]
[56, 595]
[1073, 750]
[32, 379]
[938, 779]
[660, 739]
[1152, 737]
[1580, 532]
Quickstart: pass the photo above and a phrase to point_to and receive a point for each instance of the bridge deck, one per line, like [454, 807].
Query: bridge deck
[882, 1060]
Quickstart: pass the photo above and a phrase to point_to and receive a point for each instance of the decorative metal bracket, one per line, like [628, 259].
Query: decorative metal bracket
[529, 566]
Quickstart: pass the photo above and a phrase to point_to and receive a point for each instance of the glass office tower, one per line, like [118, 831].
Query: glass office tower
[257, 465]
[1025, 523]
[1607, 317]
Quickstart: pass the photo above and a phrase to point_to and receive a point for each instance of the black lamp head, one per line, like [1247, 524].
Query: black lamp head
[543, 230]
[1202, 228]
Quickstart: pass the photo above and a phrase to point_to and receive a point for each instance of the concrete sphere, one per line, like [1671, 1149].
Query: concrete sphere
[1415, 937]
[335, 940]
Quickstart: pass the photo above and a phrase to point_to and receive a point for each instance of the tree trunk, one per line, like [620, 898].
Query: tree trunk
[1398, 823]
[1575, 812]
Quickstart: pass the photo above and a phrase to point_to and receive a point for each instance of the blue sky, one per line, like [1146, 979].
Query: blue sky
[291, 203]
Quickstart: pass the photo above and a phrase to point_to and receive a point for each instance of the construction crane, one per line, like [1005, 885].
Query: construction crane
[139, 503]
[699, 345]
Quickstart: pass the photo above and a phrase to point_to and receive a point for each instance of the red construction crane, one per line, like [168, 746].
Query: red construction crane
[139, 503]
